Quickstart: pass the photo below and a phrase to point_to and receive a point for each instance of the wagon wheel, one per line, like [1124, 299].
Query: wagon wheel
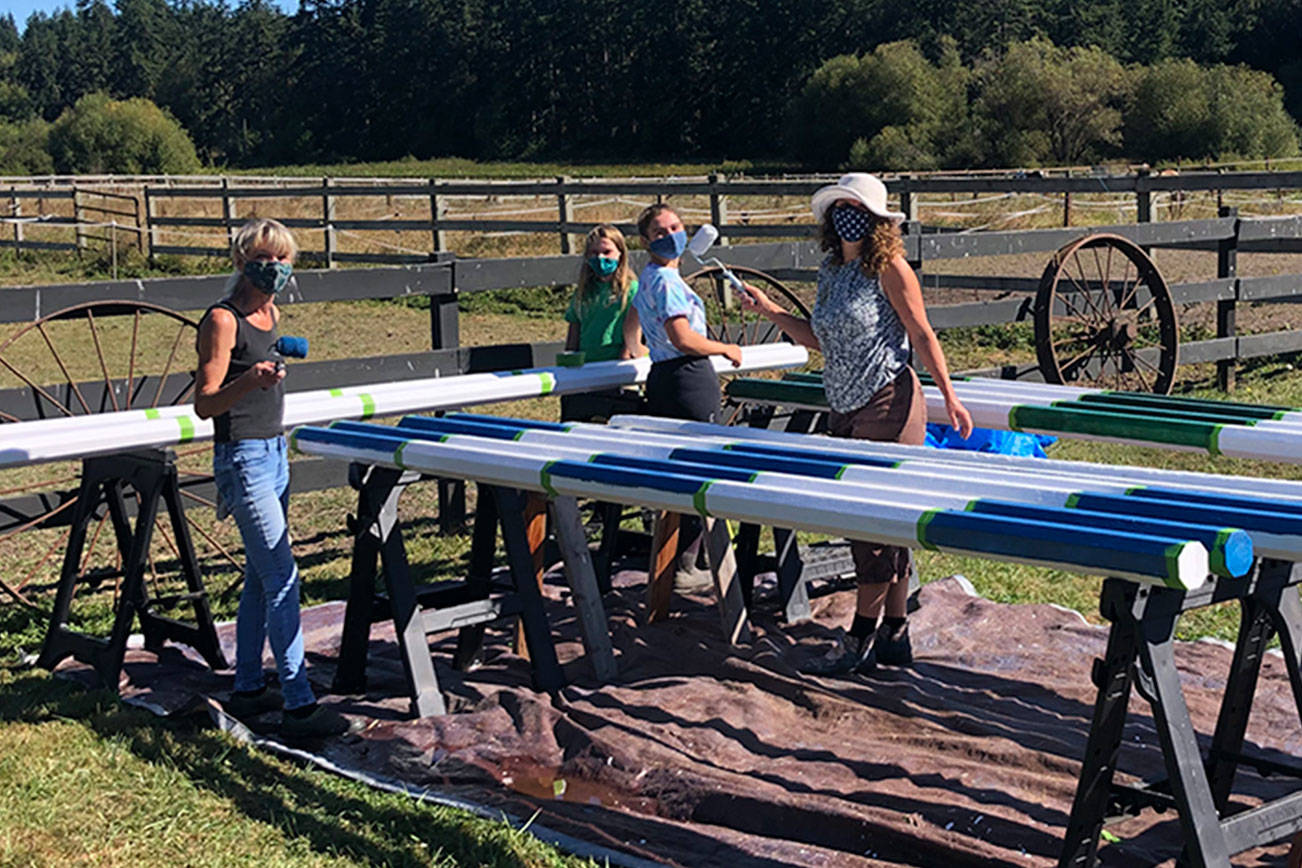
[1104, 317]
[725, 321]
[93, 358]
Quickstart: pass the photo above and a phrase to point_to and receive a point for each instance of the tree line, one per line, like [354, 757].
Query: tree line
[823, 83]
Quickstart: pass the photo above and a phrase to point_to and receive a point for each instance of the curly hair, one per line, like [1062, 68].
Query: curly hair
[881, 245]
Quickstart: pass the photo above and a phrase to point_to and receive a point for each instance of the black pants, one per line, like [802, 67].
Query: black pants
[683, 388]
[599, 406]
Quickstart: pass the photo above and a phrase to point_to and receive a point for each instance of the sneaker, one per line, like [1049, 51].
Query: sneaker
[690, 578]
[893, 646]
[248, 705]
[321, 723]
[851, 655]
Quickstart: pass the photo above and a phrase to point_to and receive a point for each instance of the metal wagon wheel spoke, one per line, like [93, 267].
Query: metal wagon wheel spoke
[725, 320]
[1104, 317]
[125, 355]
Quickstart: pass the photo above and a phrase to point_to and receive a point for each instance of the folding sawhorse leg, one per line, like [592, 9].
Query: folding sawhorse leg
[152, 475]
[464, 605]
[1141, 645]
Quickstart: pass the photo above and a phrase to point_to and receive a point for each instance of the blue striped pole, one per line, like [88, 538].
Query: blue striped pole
[672, 486]
[1230, 549]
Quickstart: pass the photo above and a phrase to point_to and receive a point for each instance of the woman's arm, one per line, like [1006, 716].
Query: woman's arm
[905, 295]
[686, 341]
[633, 346]
[216, 341]
[795, 328]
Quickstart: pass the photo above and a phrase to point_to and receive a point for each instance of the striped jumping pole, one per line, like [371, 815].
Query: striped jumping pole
[84, 436]
[738, 493]
[1219, 522]
[1215, 427]
[1230, 549]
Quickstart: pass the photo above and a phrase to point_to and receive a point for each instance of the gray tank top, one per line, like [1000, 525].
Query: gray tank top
[261, 413]
[864, 343]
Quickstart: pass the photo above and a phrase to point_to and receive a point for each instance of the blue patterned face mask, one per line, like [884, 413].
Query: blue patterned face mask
[669, 246]
[850, 223]
[268, 276]
[603, 266]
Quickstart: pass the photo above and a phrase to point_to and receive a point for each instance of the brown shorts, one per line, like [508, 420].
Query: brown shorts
[896, 413]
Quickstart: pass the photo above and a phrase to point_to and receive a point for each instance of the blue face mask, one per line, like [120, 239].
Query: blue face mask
[270, 277]
[603, 266]
[850, 223]
[670, 246]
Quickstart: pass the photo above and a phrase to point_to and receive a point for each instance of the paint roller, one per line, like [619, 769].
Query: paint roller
[700, 244]
[288, 347]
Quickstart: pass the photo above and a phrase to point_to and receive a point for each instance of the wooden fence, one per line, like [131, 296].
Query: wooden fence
[718, 189]
[321, 200]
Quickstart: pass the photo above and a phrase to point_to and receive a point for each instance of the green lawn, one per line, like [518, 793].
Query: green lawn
[85, 780]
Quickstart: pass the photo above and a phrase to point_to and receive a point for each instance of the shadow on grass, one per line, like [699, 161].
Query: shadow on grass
[333, 816]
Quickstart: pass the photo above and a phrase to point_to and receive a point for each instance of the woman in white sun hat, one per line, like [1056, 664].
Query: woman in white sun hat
[867, 315]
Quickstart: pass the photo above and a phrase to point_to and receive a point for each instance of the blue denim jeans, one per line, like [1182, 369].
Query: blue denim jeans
[253, 480]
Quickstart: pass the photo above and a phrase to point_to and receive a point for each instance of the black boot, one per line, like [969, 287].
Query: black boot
[893, 645]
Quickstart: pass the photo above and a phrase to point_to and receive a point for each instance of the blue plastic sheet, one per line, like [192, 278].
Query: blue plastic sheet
[989, 440]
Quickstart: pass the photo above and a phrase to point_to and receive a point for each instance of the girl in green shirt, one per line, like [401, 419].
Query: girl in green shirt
[603, 323]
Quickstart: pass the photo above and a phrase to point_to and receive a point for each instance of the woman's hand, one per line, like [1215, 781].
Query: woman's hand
[732, 352]
[265, 374]
[753, 300]
[959, 417]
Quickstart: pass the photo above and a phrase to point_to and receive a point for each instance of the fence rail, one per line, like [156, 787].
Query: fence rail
[321, 201]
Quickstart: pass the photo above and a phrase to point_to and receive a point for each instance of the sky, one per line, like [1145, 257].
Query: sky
[20, 9]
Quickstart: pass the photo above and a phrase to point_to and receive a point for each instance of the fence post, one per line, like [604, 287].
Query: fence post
[1227, 266]
[437, 208]
[1066, 209]
[228, 210]
[150, 227]
[444, 329]
[18, 221]
[76, 218]
[140, 236]
[1143, 197]
[327, 221]
[908, 202]
[565, 212]
[718, 207]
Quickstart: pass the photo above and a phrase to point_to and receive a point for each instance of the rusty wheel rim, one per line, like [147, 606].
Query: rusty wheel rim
[1104, 318]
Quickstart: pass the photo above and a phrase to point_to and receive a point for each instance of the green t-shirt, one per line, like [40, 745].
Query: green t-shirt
[601, 321]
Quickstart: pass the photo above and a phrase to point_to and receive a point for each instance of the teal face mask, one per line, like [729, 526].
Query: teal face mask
[270, 277]
[603, 266]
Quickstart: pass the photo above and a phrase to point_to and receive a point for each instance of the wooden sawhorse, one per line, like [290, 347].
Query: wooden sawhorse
[463, 605]
[152, 475]
[1140, 652]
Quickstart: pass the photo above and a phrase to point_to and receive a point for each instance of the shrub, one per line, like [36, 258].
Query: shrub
[100, 135]
[24, 148]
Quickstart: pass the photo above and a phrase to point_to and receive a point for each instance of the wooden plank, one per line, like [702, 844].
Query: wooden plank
[1252, 346]
[535, 532]
[582, 579]
[727, 587]
[1264, 228]
[1275, 286]
[663, 564]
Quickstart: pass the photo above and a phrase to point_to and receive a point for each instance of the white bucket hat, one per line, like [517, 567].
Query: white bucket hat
[860, 186]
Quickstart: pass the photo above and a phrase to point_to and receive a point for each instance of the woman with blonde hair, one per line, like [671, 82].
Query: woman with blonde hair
[867, 315]
[239, 385]
[603, 323]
